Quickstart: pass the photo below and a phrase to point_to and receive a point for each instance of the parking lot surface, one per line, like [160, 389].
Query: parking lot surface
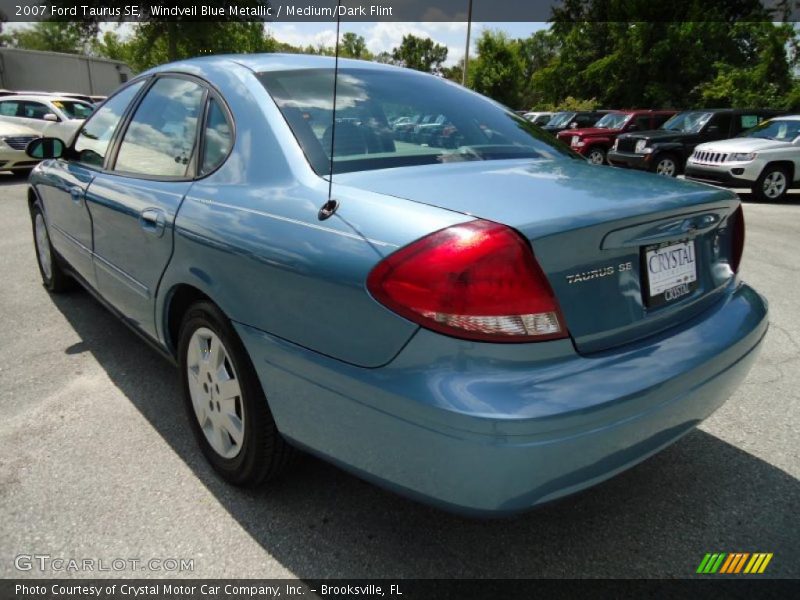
[98, 462]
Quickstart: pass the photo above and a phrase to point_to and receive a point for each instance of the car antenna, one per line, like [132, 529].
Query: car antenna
[330, 206]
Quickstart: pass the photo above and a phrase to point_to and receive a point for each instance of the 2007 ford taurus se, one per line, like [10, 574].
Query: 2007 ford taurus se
[467, 312]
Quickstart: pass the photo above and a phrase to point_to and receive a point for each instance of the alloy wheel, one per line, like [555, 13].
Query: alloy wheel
[43, 246]
[774, 185]
[596, 157]
[215, 393]
[666, 167]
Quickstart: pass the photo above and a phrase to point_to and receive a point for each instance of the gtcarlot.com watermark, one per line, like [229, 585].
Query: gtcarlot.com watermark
[45, 563]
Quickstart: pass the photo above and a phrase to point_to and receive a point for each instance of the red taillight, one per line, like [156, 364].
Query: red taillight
[478, 281]
[737, 239]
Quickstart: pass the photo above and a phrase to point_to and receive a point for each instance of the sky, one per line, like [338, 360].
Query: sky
[380, 36]
[383, 36]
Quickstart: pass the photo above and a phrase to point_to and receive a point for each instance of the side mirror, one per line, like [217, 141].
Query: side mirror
[713, 129]
[632, 127]
[573, 125]
[51, 117]
[43, 148]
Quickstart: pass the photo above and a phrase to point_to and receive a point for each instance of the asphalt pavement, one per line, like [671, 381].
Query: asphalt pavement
[98, 463]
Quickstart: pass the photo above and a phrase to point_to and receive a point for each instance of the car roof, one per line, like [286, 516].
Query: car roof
[42, 97]
[786, 118]
[259, 63]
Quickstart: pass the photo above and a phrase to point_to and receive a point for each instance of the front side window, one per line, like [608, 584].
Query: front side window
[688, 122]
[388, 119]
[73, 109]
[91, 144]
[161, 136]
[35, 110]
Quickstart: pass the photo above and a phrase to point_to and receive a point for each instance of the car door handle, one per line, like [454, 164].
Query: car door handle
[153, 220]
[76, 193]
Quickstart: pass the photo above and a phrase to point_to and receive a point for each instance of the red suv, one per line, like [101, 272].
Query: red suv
[594, 142]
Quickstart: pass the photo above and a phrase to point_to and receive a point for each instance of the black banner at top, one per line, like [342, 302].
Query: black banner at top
[402, 10]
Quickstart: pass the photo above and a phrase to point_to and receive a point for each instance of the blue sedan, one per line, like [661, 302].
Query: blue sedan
[472, 315]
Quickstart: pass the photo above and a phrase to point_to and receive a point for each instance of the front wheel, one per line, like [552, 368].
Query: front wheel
[596, 156]
[772, 185]
[224, 400]
[54, 278]
[666, 165]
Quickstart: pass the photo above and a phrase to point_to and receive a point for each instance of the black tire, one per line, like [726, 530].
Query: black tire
[56, 280]
[662, 162]
[263, 454]
[772, 185]
[596, 155]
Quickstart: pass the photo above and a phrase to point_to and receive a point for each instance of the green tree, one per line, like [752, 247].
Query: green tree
[497, 70]
[51, 36]
[354, 46]
[422, 54]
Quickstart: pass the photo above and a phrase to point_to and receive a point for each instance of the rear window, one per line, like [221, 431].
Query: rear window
[392, 119]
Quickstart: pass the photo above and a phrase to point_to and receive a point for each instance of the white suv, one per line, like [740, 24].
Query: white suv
[765, 159]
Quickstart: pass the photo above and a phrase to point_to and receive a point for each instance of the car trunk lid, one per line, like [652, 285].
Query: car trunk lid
[591, 228]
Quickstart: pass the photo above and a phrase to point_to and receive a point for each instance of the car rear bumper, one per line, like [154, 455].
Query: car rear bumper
[492, 429]
[629, 160]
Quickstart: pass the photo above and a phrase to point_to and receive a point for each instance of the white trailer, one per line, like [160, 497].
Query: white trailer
[32, 70]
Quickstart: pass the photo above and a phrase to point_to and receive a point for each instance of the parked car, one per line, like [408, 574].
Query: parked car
[539, 118]
[594, 142]
[485, 327]
[665, 150]
[573, 120]
[57, 116]
[13, 141]
[765, 159]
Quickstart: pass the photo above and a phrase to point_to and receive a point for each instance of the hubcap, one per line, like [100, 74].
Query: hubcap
[774, 184]
[596, 157]
[666, 166]
[43, 246]
[215, 393]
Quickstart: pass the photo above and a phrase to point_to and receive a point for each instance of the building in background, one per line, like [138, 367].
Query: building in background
[57, 72]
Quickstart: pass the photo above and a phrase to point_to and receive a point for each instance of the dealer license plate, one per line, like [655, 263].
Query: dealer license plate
[671, 272]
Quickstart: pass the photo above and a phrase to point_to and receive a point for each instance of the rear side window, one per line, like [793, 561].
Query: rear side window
[161, 136]
[218, 138]
[92, 142]
[9, 109]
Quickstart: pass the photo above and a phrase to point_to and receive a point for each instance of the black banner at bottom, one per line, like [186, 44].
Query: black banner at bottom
[398, 589]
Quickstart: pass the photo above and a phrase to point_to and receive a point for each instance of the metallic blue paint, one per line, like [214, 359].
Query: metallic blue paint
[478, 427]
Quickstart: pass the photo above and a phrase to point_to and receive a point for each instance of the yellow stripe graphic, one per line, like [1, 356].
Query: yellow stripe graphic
[758, 562]
[765, 563]
[749, 567]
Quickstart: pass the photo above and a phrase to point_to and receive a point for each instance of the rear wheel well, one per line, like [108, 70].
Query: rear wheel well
[784, 164]
[180, 299]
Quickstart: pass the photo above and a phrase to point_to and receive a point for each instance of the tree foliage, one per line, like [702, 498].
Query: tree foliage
[422, 54]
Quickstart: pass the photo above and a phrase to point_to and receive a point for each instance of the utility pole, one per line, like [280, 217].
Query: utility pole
[466, 51]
